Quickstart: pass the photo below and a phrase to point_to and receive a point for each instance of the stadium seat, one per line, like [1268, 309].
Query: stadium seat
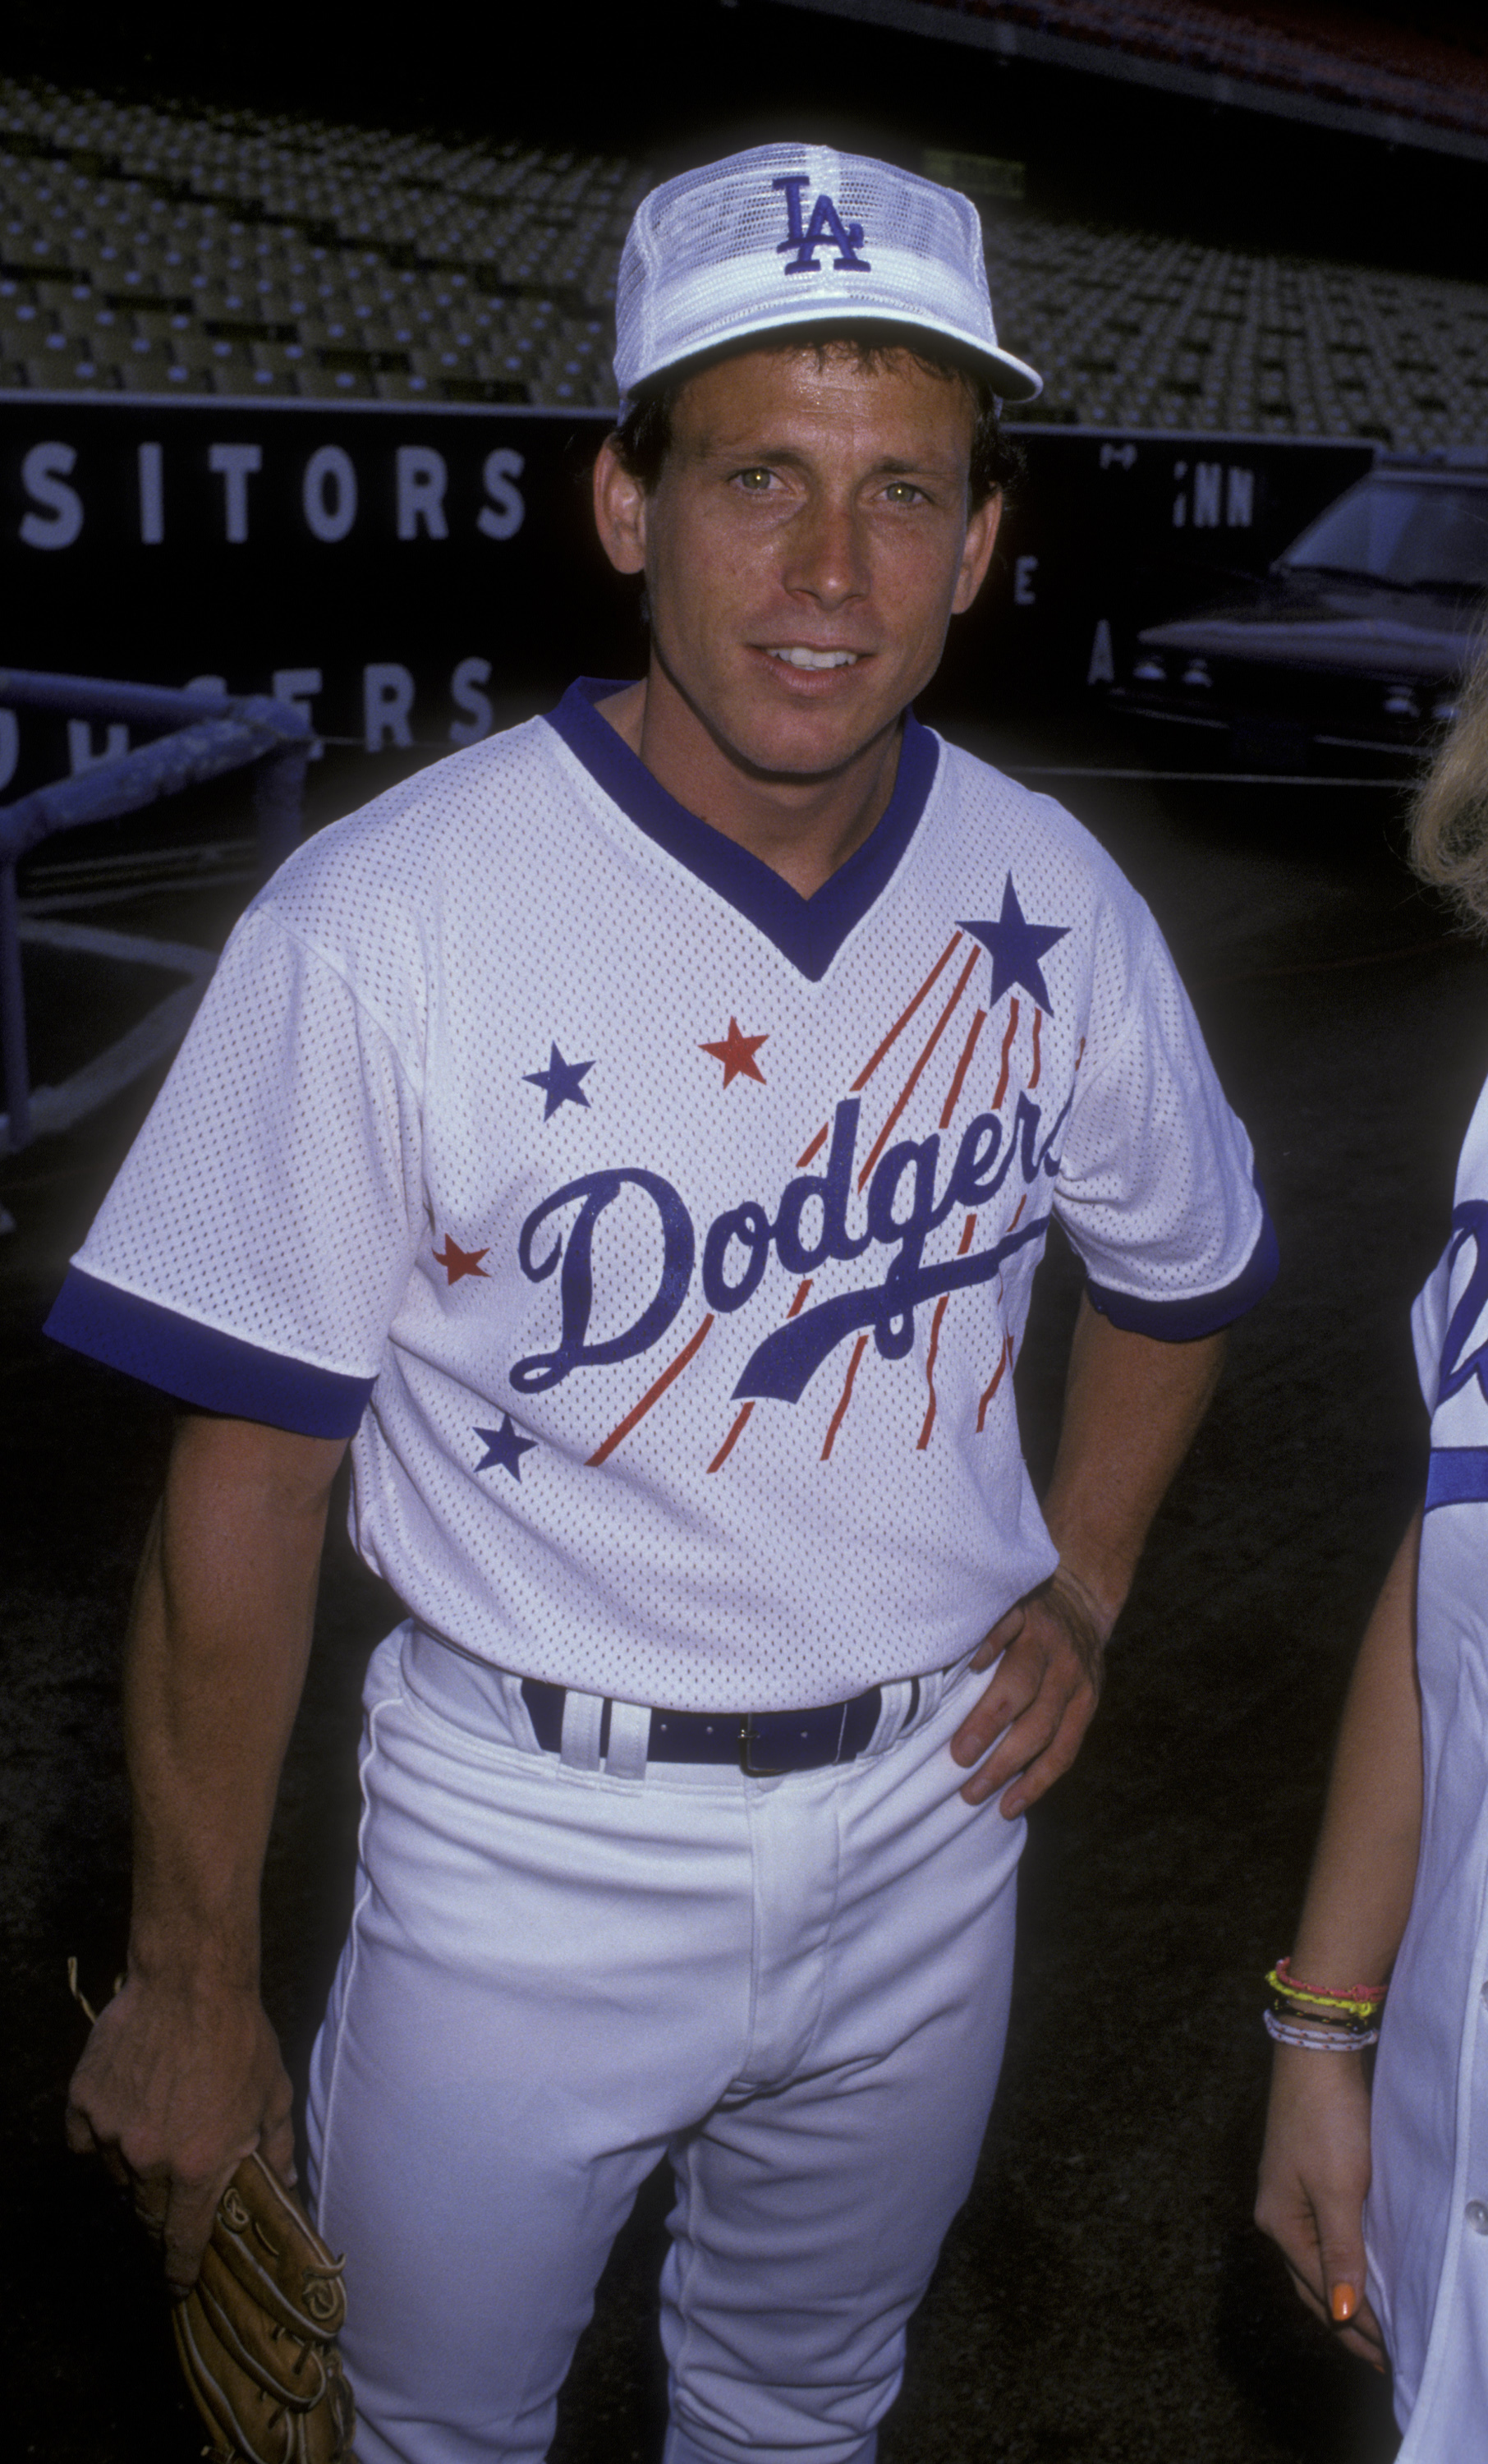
[334, 383]
[149, 375]
[401, 384]
[277, 362]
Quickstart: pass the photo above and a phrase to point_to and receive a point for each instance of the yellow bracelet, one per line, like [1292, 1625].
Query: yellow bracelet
[1362, 2003]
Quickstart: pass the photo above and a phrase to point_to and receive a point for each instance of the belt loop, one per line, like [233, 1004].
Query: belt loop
[896, 1709]
[629, 1739]
[580, 1745]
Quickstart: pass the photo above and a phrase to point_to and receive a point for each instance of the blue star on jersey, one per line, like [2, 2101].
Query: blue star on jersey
[562, 1082]
[1017, 947]
[504, 1448]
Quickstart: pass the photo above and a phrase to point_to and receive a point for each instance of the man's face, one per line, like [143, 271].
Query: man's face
[804, 549]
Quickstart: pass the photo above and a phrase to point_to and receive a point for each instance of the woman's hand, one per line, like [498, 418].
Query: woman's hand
[1314, 2174]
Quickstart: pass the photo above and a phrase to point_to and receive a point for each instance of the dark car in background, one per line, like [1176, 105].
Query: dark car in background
[1355, 642]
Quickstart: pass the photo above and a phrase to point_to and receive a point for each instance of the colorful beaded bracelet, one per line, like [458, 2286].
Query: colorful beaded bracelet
[1363, 2000]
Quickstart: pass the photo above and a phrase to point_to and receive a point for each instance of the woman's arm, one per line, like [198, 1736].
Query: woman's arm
[1314, 2165]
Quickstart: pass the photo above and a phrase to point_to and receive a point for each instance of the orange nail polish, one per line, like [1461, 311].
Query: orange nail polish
[1344, 2303]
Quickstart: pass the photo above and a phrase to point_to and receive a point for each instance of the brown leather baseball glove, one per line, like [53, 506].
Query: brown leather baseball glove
[256, 2332]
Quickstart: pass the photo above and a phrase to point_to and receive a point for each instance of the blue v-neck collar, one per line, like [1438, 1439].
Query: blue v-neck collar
[808, 932]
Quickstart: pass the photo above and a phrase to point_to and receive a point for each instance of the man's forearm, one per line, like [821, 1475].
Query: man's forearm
[216, 1659]
[181, 2075]
[1133, 1406]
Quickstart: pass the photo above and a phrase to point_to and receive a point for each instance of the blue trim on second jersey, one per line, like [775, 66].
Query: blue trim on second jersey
[1457, 1476]
[809, 932]
[201, 1365]
[1184, 1321]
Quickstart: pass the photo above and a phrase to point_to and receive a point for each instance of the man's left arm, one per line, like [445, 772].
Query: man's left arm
[1133, 1405]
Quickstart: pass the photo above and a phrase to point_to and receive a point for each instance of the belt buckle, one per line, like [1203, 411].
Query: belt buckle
[750, 1768]
[807, 1740]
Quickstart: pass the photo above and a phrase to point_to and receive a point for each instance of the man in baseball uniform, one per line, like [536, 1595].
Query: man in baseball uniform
[636, 1135]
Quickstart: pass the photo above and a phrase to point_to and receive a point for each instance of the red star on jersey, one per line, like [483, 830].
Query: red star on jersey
[457, 1262]
[737, 1052]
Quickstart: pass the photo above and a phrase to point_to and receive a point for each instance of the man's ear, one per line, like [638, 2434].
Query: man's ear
[618, 511]
[981, 537]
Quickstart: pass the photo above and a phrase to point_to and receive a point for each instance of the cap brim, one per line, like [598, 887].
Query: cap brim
[1013, 379]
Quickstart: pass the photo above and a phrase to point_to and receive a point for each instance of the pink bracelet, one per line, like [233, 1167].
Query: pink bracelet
[1290, 1984]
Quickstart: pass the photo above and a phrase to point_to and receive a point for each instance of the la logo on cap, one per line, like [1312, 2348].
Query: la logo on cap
[826, 225]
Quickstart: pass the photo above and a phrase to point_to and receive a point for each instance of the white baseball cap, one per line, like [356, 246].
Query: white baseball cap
[789, 235]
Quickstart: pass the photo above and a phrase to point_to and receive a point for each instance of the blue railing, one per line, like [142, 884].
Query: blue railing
[211, 734]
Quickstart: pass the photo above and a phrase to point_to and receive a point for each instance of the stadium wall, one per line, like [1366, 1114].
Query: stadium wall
[407, 576]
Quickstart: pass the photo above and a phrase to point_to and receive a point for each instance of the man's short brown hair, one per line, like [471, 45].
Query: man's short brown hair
[643, 440]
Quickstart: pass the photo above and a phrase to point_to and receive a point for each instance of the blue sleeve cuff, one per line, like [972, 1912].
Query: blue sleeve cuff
[217, 1372]
[1185, 1321]
[1458, 1476]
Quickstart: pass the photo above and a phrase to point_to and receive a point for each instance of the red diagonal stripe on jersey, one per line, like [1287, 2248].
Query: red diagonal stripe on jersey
[924, 1439]
[1081, 1054]
[652, 1395]
[962, 1066]
[1033, 1077]
[913, 1079]
[1007, 1047]
[997, 1380]
[905, 1016]
[896, 1030]
[738, 1430]
[1021, 1203]
[846, 1398]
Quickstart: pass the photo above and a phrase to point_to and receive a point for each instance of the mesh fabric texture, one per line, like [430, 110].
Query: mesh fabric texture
[794, 234]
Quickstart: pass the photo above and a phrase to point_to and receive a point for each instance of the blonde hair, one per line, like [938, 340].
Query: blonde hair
[1449, 821]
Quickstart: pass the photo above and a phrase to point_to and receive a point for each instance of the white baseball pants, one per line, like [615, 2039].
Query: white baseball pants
[794, 1987]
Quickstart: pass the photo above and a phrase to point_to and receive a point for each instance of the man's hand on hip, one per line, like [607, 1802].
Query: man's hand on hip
[174, 2088]
[1048, 1683]
[1131, 1405]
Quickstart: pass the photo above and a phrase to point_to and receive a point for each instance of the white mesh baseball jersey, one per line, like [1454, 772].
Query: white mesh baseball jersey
[665, 1237]
[1425, 2221]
